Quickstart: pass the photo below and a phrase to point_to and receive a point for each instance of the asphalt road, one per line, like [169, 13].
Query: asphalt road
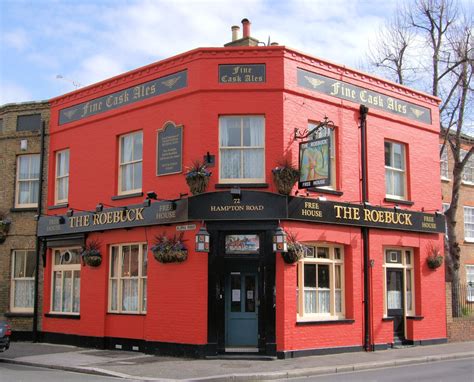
[459, 370]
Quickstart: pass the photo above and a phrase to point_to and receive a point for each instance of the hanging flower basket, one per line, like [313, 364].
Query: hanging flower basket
[197, 178]
[296, 250]
[4, 228]
[91, 255]
[285, 176]
[169, 250]
[434, 259]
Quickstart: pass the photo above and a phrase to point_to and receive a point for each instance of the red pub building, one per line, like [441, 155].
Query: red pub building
[138, 257]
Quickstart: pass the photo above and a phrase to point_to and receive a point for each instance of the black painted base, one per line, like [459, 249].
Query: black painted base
[21, 336]
[324, 351]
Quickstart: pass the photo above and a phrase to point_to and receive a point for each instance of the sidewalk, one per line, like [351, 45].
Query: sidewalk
[141, 366]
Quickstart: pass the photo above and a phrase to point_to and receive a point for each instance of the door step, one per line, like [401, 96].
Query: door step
[242, 357]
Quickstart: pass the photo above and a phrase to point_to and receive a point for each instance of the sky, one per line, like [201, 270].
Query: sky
[51, 47]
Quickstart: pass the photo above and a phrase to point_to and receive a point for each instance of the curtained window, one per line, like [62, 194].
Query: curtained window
[131, 155]
[62, 177]
[242, 149]
[27, 181]
[320, 281]
[395, 170]
[128, 278]
[66, 283]
[23, 278]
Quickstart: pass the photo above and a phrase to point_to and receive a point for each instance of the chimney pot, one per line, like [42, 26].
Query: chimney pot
[235, 32]
[246, 28]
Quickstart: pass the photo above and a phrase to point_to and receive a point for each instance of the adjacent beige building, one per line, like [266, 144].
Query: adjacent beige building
[21, 127]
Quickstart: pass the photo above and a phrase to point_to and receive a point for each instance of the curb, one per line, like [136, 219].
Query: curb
[265, 376]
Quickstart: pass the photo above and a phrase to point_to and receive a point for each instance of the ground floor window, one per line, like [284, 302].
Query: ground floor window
[320, 282]
[22, 281]
[66, 283]
[128, 278]
[399, 291]
[470, 282]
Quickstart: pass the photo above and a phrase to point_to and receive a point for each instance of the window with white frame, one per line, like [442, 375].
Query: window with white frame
[242, 149]
[66, 281]
[401, 259]
[470, 282]
[444, 167]
[327, 132]
[130, 163]
[468, 170]
[22, 281]
[27, 181]
[469, 224]
[320, 283]
[62, 177]
[128, 278]
[395, 170]
[445, 208]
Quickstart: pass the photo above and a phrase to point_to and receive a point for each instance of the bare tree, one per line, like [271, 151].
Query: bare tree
[430, 45]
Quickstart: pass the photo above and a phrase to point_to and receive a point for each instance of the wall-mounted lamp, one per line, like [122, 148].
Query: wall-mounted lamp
[209, 160]
[202, 240]
[367, 204]
[280, 243]
[437, 213]
[322, 198]
[69, 212]
[397, 208]
[235, 192]
[372, 263]
[100, 207]
[152, 195]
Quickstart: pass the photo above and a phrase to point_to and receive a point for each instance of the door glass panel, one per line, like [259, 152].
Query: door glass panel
[394, 290]
[250, 293]
[409, 289]
[235, 292]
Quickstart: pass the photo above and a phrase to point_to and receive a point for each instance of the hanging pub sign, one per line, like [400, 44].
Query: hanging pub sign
[315, 163]
[169, 150]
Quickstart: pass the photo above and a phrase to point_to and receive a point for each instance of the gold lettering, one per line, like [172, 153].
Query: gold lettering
[116, 217]
[139, 213]
[96, 219]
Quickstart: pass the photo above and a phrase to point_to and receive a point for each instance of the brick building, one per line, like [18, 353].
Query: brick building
[366, 149]
[21, 125]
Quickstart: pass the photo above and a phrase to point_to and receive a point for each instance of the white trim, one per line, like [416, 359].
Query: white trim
[13, 280]
[130, 163]
[402, 170]
[57, 177]
[30, 180]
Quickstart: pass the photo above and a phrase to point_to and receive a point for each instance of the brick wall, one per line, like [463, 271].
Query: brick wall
[459, 328]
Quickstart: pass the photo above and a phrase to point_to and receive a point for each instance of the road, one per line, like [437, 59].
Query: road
[458, 370]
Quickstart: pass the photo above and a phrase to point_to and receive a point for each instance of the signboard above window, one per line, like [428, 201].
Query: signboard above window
[242, 244]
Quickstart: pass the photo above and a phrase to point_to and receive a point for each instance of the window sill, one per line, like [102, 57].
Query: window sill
[242, 185]
[126, 196]
[67, 316]
[386, 319]
[399, 201]
[325, 191]
[325, 322]
[446, 180]
[125, 314]
[24, 209]
[469, 241]
[415, 318]
[467, 183]
[58, 206]
[19, 314]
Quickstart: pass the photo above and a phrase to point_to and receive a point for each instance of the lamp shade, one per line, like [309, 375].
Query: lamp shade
[280, 244]
[202, 240]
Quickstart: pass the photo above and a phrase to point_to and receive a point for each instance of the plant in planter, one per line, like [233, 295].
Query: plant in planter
[4, 227]
[434, 259]
[197, 177]
[91, 253]
[169, 249]
[296, 249]
[285, 175]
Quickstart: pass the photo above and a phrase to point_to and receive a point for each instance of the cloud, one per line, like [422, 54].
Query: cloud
[16, 39]
[13, 93]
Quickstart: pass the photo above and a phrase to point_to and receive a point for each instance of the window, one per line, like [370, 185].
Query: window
[27, 180]
[325, 132]
[470, 282]
[400, 259]
[1, 125]
[130, 172]
[444, 163]
[242, 151]
[28, 122]
[468, 171]
[445, 208]
[23, 277]
[395, 170]
[66, 283]
[62, 176]
[320, 284]
[469, 224]
[128, 278]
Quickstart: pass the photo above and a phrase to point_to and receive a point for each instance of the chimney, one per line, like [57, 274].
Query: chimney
[235, 32]
[246, 27]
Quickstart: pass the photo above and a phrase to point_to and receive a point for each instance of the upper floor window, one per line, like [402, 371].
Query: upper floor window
[320, 282]
[27, 181]
[66, 284]
[242, 149]
[131, 155]
[468, 171]
[322, 133]
[62, 177]
[128, 278]
[22, 281]
[469, 224]
[1, 125]
[28, 122]
[444, 163]
[395, 170]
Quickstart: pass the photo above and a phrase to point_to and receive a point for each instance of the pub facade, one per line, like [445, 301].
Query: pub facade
[169, 230]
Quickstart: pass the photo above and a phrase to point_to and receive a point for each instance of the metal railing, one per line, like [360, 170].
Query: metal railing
[465, 294]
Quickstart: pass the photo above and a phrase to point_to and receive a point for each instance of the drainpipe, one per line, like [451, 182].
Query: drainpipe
[365, 231]
[38, 240]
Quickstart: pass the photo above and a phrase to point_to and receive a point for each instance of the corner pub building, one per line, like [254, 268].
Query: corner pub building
[121, 152]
